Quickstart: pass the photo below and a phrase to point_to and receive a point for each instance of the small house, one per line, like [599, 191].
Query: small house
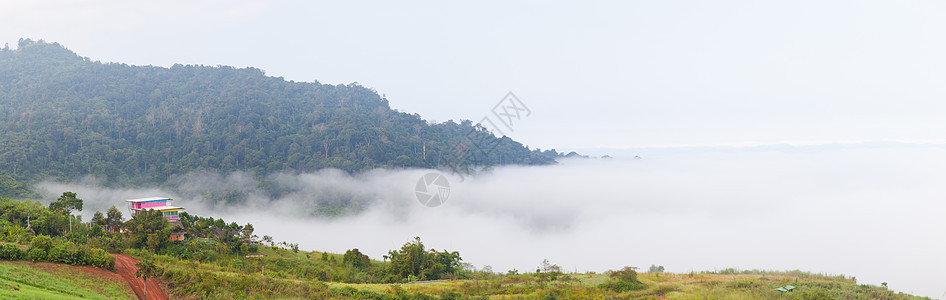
[163, 206]
[158, 204]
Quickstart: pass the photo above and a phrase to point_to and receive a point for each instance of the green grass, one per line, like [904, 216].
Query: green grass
[290, 275]
[54, 281]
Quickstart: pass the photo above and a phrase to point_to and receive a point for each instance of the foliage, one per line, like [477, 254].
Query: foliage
[113, 219]
[11, 188]
[98, 219]
[42, 242]
[32, 215]
[66, 203]
[147, 269]
[356, 259]
[65, 116]
[413, 261]
[11, 252]
[548, 271]
[37, 254]
[148, 229]
[655, 269]
[623, 280]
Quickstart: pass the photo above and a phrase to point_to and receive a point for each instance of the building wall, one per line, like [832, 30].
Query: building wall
[170, 214]
[154, 203]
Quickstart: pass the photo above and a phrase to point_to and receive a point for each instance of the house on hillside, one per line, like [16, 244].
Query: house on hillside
[158, 204]
[163, 206]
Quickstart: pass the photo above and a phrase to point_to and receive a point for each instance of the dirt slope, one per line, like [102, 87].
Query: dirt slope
[125, 265]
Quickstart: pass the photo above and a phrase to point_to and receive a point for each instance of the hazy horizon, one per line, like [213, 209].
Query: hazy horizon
[870, 212]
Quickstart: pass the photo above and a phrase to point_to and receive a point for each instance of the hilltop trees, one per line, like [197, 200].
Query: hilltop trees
[137, 124]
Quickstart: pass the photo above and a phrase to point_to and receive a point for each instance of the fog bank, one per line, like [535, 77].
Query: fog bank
[872, 212]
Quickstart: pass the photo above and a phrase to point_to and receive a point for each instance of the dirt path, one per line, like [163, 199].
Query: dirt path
[125, 265]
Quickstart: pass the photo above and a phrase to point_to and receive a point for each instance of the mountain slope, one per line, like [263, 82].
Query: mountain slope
[64, 116]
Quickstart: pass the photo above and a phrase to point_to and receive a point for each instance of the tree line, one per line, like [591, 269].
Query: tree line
[65, 116]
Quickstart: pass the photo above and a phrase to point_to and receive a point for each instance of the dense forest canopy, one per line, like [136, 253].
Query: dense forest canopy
[64, 116]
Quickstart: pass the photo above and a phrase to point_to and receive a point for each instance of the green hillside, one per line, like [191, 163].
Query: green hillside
[64, 116]
[221, 260]
[24, 280]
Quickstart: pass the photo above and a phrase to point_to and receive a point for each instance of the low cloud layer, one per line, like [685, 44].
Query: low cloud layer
[875, 212]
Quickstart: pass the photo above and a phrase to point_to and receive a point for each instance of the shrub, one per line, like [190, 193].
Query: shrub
[63, 253]
[626, 274]
[100, 259]
[37, 254]
[42, 242]
[11, 252]
[81, 256]
[623, 286]
[356, 259]
[623, 280]
[25, 239]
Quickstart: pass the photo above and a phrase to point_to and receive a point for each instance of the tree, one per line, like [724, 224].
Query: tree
[149, 229]
[247, 234]
[414, 261]
[98, 219]
[268, 240]
[623, 280]
[66, 203]
[147, 269]
[113, 219]
[655, 269]
[356, 258]
[549, 271]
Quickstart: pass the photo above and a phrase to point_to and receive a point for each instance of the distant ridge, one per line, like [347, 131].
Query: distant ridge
[65, 116]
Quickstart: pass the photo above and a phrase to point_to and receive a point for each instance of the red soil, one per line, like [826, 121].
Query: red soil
[125, 265]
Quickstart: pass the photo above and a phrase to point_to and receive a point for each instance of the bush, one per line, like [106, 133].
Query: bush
[100, 259]
[623, 280]
[63, 253]
[17, 234]
[37, 254]
[42, 242]
[11, 252]
[81, 256]
[25, 239]
[356, 259]
[623, 286]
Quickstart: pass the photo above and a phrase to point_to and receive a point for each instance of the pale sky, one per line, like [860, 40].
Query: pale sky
[603, 75]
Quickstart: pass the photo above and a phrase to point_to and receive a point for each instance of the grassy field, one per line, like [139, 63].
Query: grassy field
[57, 281]
[214, 281]
[286, 276]
[663, 286]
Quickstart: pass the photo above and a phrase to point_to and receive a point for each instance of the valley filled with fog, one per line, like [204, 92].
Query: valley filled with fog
[875, 211]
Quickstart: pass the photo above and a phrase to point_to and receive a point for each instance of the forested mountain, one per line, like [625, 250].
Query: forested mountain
[65, 116]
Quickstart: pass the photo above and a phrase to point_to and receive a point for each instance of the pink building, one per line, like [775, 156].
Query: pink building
[158, 204]
[163, 206]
